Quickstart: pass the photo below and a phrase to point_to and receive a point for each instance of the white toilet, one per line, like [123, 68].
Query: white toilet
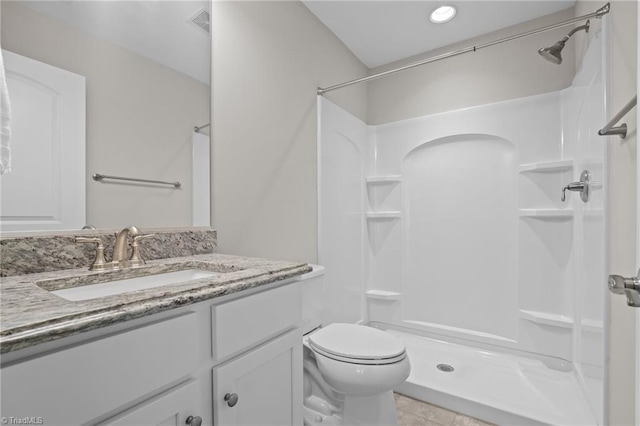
[349, 370]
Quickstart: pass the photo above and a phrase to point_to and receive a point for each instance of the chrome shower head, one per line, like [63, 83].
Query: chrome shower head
[554, 53]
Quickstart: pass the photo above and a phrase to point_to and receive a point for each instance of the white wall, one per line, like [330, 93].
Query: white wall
[622, 219]
[506, 71]
[139, 118]
[268, 60]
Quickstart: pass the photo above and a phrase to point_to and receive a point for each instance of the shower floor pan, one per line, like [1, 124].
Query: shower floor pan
[502, 388]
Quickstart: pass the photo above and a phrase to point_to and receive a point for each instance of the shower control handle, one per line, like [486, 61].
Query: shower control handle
[583, 187]
[627, 286]
[574, 187]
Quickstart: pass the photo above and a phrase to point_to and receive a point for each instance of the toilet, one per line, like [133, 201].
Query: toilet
[350, 370]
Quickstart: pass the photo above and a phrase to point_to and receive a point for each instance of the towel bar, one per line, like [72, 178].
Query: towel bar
[99, 177]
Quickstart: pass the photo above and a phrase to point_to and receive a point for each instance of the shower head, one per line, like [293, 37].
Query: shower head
[554, 53]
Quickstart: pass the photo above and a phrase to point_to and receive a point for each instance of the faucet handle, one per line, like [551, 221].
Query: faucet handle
[99, 263]
[136, 259]
[139, 237]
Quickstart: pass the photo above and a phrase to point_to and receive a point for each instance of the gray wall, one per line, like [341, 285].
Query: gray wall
[268, 60]
[140, 115]
[498, 73]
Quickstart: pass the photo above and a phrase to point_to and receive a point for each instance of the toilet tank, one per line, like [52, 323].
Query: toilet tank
[312, 288]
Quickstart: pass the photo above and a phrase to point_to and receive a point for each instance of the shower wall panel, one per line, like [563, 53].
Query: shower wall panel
[342, 154]
[460, 236]
[583, 114]
[472, 248]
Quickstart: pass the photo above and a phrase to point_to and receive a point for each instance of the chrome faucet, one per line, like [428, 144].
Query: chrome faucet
[120, 253]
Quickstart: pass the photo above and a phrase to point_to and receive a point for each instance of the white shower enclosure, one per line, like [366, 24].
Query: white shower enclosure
[451, 226]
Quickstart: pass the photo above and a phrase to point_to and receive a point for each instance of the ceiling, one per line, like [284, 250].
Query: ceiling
[376, 31]
[158, 30]
[380, 32]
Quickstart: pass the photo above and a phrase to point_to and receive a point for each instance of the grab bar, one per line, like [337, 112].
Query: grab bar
[99, 177]
[198, 128]
[621, 130]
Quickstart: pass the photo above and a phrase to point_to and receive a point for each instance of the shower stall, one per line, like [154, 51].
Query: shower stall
[449, 231]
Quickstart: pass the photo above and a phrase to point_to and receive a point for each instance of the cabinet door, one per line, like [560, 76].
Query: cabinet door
[46, 187]
[114, 370]
[171, 408]
[267, 382]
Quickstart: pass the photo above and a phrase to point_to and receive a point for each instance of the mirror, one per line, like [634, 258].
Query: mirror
[145, 71]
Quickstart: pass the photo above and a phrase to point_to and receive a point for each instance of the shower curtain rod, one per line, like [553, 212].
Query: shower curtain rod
[597, 14]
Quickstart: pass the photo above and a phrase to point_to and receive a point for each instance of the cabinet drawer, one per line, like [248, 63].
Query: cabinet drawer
[245, 322]
[80, 383]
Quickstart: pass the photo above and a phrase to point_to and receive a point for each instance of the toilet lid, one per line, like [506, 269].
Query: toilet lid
[356, 342]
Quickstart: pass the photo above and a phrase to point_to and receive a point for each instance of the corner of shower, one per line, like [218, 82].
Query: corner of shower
[508, 328]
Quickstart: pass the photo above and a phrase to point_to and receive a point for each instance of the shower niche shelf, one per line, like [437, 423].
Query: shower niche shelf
[547, 166]
[540, 184]
[547, 318]
[547, 213]
[392, 214]
[563, 321]
[383, 180]
[384, 196]
[389, 296]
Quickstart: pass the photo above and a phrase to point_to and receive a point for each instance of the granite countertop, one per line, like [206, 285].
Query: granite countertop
[30, 315]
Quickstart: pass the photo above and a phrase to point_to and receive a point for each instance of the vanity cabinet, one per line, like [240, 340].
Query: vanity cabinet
[158, 370]
[173, 408]
[92, 379]
[262, 387]
[257, 379]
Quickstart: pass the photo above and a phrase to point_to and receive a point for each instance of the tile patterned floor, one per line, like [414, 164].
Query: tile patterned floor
[412, 412]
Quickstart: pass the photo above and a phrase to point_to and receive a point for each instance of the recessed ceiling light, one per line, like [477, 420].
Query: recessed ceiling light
[442, 14]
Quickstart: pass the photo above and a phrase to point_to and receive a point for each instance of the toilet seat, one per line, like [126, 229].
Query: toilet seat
[357, 344]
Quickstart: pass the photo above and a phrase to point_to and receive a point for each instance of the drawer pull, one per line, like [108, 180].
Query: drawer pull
[232, 399]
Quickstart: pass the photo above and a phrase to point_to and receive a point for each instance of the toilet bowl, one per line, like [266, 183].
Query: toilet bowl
[352, 370]
[357, 360]
[349, 370]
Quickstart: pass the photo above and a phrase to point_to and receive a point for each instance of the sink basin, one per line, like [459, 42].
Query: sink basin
[127, 285]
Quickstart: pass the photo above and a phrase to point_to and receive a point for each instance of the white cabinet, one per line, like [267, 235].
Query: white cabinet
[157, 370]
[172, 408]
[88, 381]
[262, 387]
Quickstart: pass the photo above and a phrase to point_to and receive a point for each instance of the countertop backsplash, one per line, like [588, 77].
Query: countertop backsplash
[30, 254]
